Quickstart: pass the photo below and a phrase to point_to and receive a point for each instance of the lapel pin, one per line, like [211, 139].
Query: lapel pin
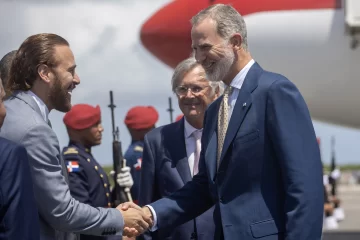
[244, 105]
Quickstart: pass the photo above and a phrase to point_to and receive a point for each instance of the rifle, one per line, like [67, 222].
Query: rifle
[333, 167]
[121, 194]
[170, 110]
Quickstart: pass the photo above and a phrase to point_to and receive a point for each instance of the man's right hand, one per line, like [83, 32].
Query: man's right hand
[136, 221]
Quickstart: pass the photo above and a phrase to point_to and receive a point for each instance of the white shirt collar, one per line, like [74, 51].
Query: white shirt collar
[238, 80]
[189, 129]
[43, 108]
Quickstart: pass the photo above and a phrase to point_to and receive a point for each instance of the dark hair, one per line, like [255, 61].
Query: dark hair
[5, 64]
[35, 50]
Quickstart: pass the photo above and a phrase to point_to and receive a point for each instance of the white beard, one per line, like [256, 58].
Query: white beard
[221, 68]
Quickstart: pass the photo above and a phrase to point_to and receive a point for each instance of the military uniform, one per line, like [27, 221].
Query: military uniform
[143, 119]
[133, 158]
[88, 181]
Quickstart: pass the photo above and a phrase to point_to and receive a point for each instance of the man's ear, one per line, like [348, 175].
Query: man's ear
[236, 41]
[44, 72]
[217, 92]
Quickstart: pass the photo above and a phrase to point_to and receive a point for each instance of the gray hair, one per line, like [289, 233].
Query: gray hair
[186, 66]
[228, 21]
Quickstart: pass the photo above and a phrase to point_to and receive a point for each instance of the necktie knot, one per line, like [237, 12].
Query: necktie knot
[228, 90]
[197, 134]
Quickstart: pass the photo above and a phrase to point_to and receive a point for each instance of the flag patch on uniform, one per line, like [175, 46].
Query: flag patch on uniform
[137, 166]
[72, 166]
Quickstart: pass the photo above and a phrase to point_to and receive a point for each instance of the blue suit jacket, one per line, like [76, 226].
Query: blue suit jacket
[165, 169]
[269, 182]
[19, 218]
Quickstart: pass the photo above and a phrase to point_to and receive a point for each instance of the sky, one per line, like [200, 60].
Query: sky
[104, 36]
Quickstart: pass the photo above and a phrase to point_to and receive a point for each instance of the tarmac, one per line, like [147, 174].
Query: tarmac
[349, 228]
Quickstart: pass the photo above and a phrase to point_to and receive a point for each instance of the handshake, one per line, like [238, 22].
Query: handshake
[136, 219]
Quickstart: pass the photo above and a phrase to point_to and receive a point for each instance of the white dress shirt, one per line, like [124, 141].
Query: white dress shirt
[43, 108]
[190, 143]
[236, 83]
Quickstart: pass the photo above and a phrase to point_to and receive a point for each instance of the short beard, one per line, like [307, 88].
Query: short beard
[59, 97]
[222, 67]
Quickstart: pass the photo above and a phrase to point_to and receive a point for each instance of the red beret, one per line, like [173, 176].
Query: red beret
[178, 118]
[141, 117]
[82, 116]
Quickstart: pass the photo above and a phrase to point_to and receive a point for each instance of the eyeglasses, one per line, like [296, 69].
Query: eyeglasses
[182, 90]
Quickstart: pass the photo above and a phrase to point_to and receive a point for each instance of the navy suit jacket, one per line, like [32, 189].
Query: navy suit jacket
[269, 182]
[165, 169]
[19, 217]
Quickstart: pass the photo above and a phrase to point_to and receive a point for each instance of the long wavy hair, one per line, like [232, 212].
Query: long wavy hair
[35, 50]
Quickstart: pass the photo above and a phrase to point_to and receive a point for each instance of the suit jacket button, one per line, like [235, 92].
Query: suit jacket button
[221, 199]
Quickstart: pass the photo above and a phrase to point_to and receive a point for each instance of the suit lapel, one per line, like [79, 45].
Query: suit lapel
[23, 96]
[210, 133]
[242, 105]
[178, 148]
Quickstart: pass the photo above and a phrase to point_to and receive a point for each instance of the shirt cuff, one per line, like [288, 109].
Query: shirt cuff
[154, 227]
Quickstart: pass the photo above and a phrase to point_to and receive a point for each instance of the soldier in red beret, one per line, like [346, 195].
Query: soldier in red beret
[88, 182]
[139, 121]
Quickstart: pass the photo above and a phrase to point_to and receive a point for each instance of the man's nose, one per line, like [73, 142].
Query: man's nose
[76, 79]
[199, 56]
[189, 93]
[100, 128]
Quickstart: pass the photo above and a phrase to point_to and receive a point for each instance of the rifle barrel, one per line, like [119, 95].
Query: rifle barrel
[170, 109]
[121, 194]
[112, 106]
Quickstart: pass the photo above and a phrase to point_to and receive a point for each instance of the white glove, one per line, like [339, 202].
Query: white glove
[124, 178]
[335, 174]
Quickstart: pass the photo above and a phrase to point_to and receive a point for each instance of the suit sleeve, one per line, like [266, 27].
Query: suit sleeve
[56, 206]
[296, 149]
[16, 190]
[147, 192]
[188, 202]
[78, 182]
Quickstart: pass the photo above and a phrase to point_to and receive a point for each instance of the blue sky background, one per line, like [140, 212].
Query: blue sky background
[104, 36]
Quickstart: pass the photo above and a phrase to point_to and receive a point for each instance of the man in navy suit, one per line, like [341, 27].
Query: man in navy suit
[260, 163]
[18, 212]
[171, 152]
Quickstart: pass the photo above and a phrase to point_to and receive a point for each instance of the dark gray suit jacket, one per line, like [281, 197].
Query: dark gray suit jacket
[59, 213]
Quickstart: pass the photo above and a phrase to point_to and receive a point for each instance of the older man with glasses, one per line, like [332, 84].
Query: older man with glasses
[171, 152]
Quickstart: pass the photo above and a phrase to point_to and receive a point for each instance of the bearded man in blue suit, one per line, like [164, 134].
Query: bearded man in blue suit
[260, 162]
